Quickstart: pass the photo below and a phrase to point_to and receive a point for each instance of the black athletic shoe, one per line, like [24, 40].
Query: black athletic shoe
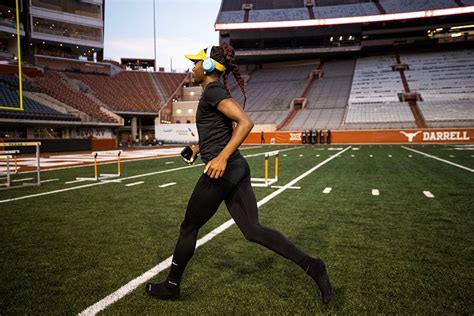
[165, 291]
[317, 270]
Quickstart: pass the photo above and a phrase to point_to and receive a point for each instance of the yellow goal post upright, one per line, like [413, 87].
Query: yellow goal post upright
[104, 176]
[8, 155]
[20, 81]
[266, 181]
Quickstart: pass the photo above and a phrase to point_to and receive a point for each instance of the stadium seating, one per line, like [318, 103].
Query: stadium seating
[441, 76]
[359, 9]
[333, 89]
[264, 11]
[274, 88]
[394, 6]
[317, 118]
[447, 111]
[32, 110]
[169, 81]
[56, 86]
[126, 91]
[231, 17]
[12, 81]
[445, 81]
[268, 117]
[327, 99]
[278, 15]
[375, 82]
[391, 112]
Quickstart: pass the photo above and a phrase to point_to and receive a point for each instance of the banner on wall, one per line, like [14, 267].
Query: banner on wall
[92, 132]
[176, 133]
[406, 136]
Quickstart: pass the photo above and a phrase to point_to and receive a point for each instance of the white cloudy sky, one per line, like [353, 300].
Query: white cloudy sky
[182, 27]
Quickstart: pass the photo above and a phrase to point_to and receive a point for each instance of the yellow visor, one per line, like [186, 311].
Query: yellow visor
[202, 56]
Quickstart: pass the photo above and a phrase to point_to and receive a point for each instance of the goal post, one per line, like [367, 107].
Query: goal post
[20, 81]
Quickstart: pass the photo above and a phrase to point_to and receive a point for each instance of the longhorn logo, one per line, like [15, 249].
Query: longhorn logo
[410, 136]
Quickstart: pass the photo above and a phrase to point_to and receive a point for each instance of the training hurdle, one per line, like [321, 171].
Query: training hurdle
[266, 180]
[8, 155]
[104, 176]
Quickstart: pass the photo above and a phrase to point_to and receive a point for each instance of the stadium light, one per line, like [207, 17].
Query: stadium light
[344, 20]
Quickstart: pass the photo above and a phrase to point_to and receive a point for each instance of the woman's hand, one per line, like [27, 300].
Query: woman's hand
[216, 167]
[196, 151]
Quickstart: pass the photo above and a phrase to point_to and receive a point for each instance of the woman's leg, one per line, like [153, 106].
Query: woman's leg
[242, 205]
[203, 204]
[208, 194]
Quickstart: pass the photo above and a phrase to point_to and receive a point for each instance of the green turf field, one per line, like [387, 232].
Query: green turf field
[396, 252]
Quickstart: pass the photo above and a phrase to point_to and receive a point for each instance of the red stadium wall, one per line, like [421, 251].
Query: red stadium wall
[418, 136]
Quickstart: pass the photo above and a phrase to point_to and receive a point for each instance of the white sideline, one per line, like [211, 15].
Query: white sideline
[440, 159]
[134, 183]
[132, 285]
[127, 178]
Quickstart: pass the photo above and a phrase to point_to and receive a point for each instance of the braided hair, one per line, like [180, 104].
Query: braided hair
[224, 54]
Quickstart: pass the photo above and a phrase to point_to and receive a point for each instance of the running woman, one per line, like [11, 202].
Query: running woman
[226, 176]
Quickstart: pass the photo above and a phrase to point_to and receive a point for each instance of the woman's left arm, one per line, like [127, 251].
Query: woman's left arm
[216, 167]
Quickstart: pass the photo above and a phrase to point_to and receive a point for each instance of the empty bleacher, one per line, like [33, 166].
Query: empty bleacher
[445, 82]
[278, 15]
[374, 81]
[272, 89]
[268, 117]
[394, 6]
[169, 81]
[336, 11]
[317, 118]
[391, 112]
[12, 82]
[333, 89]
[230, 16]
[374, 96]
[57, 87]
[126, 91]
[327, 99]
[32, 110]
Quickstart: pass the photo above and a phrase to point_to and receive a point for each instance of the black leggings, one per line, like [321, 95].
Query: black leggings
[235, 189]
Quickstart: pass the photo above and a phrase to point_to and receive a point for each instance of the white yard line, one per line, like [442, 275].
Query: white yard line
[375, 192]
[439, 159]
[428, 194]
[123, 179]
[134, 183]
[167, 185]
[169, 162]
[327, 190]
[133, 284]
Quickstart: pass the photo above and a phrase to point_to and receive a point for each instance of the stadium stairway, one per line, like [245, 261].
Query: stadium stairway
[293, 113]
[419, 120]
[159, 89]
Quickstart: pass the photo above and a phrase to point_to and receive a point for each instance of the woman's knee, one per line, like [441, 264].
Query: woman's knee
[252, 233]
[188, 228]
